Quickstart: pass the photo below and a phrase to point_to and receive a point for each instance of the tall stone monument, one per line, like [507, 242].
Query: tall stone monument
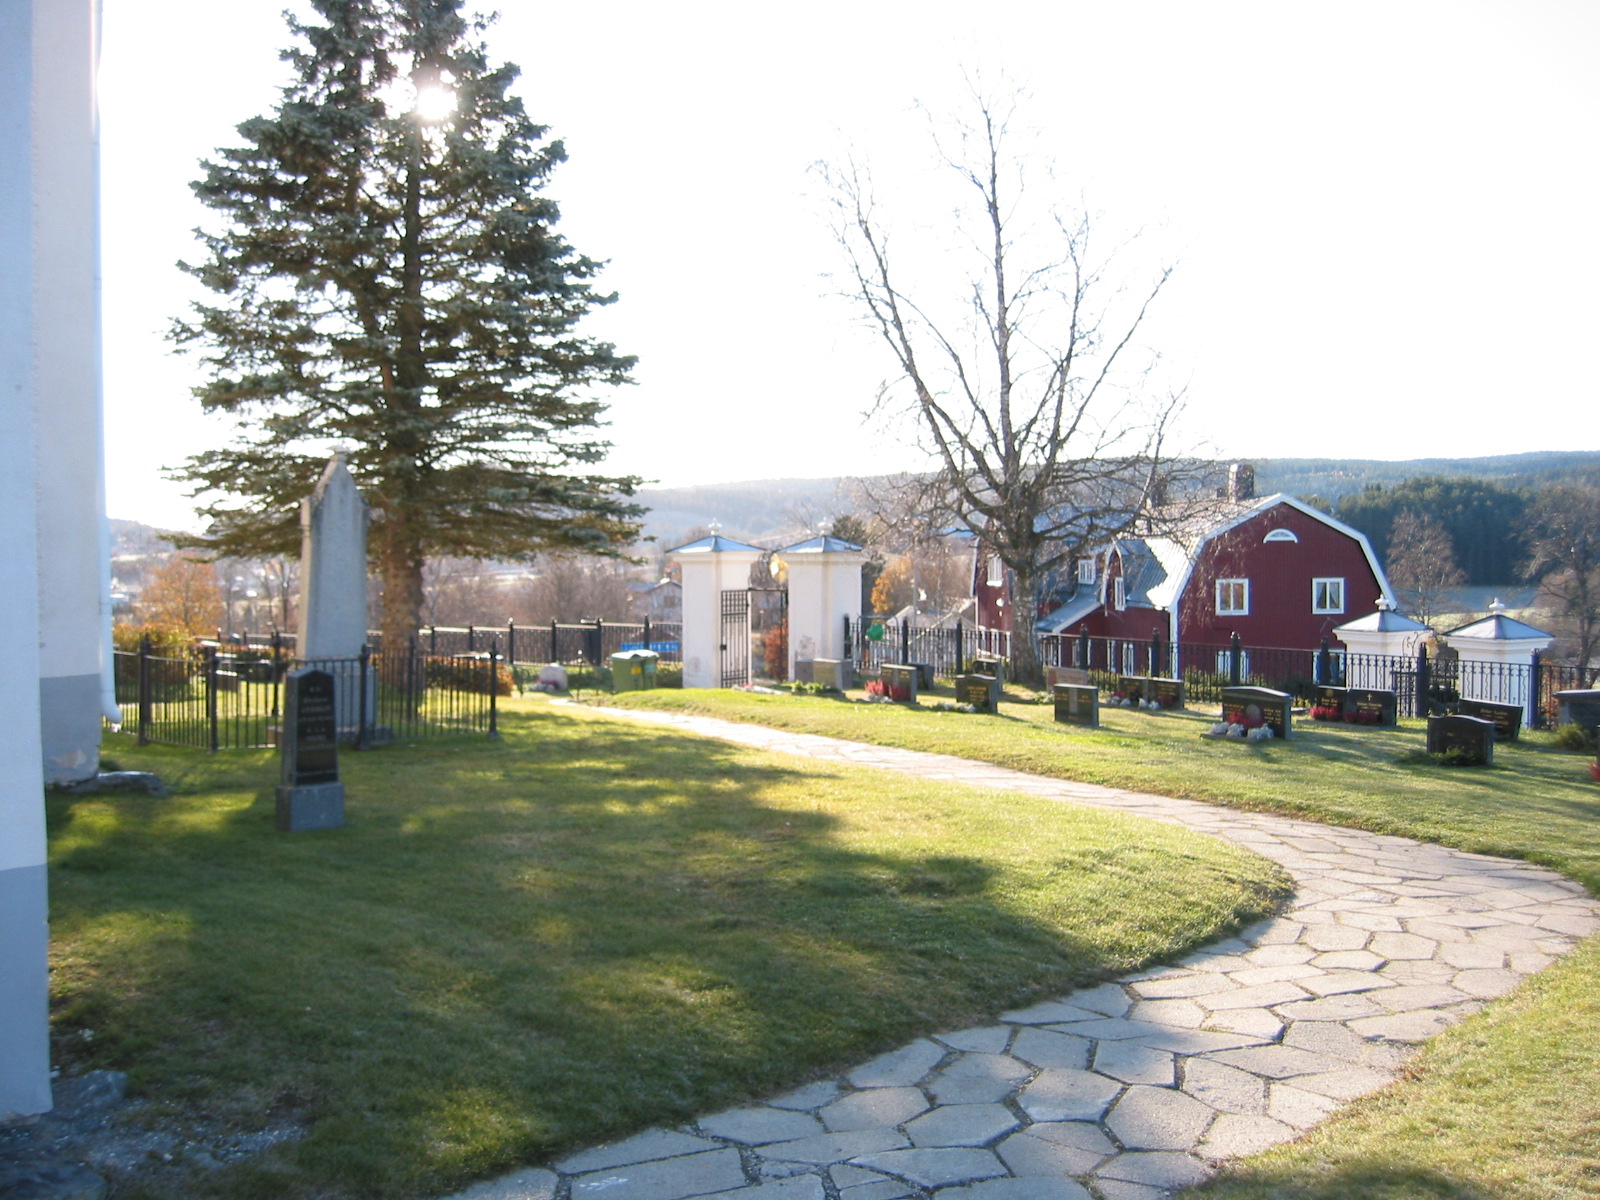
[332, 625]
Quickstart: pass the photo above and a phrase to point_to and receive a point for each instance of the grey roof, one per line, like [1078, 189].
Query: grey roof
[826, 544]
[714, 544]
[1074, 610]
[1497, 627]
[1385, 620]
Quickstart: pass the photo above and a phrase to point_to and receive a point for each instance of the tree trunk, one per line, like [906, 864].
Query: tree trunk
[400, 566]
[1025, 668]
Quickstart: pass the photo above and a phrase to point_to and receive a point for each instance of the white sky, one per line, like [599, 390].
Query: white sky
[1383, 212]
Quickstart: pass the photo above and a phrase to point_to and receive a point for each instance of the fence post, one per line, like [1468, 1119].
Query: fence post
[554, 657]
[905, 640]
[1536, 691]
[144, 690]
[1235, 653]
[511, 642]
[211, 697]
[433, 639]
[647, 632]
[494, 694]
[849, 646]
[363, 730]
[1424, 682]
[960, 658]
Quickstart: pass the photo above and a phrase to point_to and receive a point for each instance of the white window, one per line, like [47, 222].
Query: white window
[1130, 658]
[1086, 570]
[1327, 595]
[1225, 662]
[997, 571]
[1233, 597]
[1281, 535]
[1119, 593]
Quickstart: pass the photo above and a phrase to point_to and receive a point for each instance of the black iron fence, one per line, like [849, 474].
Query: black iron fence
[948, 649]
[571, 643]
[231, 698]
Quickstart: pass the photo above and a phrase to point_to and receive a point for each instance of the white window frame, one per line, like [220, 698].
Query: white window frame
[1130, 658]
[997, 571]
[1119, 593]
[1227, 589]
[1327, 605]
[1086, 571]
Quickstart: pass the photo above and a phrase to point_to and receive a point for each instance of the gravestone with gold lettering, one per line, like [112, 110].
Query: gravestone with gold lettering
[310, 795]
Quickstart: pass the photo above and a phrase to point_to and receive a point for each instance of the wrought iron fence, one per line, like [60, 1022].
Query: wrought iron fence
[567, 643]
[947, 649]
[213, 699]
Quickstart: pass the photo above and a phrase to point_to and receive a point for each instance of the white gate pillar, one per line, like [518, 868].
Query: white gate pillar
[824, 588]
[1375, 639]
[1504, 649]
[709, 567]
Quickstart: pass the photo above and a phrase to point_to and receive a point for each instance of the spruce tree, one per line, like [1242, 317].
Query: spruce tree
[388, 281]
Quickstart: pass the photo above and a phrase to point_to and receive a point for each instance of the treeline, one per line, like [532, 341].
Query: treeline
[1486, 521]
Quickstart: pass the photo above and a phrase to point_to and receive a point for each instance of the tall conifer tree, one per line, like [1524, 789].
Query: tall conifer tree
[388, 280]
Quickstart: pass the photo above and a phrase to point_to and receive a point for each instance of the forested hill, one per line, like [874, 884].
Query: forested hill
[1333, 478]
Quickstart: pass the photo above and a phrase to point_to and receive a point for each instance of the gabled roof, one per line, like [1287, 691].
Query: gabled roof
[826, 544]
[1497, 627]
[1385, 620]
[1073, 611]
[714, 544]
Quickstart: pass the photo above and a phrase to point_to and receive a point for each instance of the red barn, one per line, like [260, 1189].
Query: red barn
[1275, 571]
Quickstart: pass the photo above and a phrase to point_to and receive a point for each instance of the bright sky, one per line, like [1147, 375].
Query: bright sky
[1382, 212]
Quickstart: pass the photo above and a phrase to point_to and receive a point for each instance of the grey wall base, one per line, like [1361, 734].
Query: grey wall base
[315, 806]
[69, 724]
[24, 993]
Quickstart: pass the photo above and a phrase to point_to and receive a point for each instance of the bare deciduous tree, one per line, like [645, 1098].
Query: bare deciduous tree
[1422, 565]
[1035, 399]
[1563, 530]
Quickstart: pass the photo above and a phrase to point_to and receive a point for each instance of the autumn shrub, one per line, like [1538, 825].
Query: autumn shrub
[469, 675]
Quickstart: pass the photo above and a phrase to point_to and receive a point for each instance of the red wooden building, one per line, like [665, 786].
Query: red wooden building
[1273, 570]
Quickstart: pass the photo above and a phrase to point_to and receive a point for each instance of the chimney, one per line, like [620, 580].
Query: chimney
[1241, 481]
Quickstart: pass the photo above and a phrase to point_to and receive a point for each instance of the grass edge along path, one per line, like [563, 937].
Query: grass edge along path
[1503, 1105]
[516, 949]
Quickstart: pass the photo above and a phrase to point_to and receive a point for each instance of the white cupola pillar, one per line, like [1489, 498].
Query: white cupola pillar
[824, 589]
[710, 567]
[1373, 643]
[1496, 658]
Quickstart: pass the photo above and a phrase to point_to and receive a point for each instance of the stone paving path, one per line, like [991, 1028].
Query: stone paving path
[1132, 1089]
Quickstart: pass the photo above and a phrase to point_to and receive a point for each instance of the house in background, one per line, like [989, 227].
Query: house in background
[1274, 570]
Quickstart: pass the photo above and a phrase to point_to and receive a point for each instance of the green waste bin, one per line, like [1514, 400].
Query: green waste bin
[634, 670]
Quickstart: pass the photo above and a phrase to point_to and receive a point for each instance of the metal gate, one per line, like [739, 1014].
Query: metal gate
[735, 644]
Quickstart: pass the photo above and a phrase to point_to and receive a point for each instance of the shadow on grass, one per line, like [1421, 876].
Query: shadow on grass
[516, 948]
[1365, 1178]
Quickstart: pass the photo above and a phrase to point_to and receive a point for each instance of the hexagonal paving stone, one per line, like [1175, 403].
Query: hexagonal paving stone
[1183, 1013]
[961, 1125]
[1256, 1022]
[813, 1095]
[1153, 1118]
[1059, 1094]
[936, 1168]
[1026, 1155]
[1227, 1089]
[1133, 1062]
[1347, 1084]
[1485, 984]
[1278, 1062]
[757, 1126]
[1108, 999]
[898, 1068]
[1471, 955]
[665, 1179]
[533, 1183]
[1285, 973]
[1162, 1169]
[1335, 1008]
[1047, 1013]
[987, 1039]
[645, 1147]
[1282, 955]
[1260, 996]
[1336, 937]
[1117, 1189]
[978, 1079]
[1036, 1188]
[1349, 960]
[1407, 999]
[1298, 1108]
[1415, 1026]
[1233, 1136]
[875, 1108]
[836, 1147]
[1182, 987]
[1082, 1134]
[1042, 1048]
[1337, 983]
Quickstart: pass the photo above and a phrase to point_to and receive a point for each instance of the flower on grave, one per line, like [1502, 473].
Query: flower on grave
[1236, 731]
[967, 708]
[899, 694]
[1262, 733]
[1220, 728]
[1594, 770]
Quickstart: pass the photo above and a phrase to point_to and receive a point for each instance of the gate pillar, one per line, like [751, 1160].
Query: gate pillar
[824, 587]
[709, 567]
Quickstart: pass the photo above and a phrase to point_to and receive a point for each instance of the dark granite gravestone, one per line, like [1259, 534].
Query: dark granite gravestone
[990, 666]
[831, 672]
[1579, 706]
[310, 795]
[924, 675]
[1328, 702]
[803, 672]
[902, 681]
[980, 691]
[1507, 718]
[1168, 693]
[1468, 740]
[1077, 704]
[1078, 676]
[1254, 706]
[1372, 706]
[1130, 687]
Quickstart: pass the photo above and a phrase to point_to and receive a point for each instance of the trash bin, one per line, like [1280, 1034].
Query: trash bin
[633, 670]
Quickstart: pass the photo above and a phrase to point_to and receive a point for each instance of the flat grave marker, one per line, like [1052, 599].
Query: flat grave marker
[310, 795]
[1077, 704]
[1468, 740]
[1507, 718]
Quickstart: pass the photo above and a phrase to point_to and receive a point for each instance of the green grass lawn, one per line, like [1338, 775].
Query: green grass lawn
[517, 948]
[1505, 1106]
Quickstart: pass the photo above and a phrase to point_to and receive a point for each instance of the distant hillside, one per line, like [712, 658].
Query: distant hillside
[753, 511]
[1332, 478]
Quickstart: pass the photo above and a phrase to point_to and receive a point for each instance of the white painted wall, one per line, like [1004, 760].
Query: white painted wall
[74, 592]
